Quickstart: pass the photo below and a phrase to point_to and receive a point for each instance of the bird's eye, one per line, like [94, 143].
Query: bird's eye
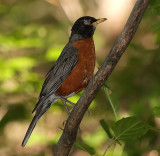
[86, 22]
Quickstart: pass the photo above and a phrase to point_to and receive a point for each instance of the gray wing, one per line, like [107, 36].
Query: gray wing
[59, 72]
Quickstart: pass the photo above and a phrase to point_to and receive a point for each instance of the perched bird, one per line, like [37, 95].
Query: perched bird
[71, 72]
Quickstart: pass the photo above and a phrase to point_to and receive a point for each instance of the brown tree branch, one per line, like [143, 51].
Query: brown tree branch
[68, 137]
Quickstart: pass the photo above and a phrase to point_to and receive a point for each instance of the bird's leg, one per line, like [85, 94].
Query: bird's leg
[64, 99]
[66, 107]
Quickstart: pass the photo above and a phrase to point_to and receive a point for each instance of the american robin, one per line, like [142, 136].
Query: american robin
[72, 71]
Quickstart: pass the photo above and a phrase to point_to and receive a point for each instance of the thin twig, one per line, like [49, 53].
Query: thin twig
[110, 101]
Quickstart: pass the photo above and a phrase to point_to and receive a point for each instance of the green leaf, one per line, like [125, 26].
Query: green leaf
[129, 128]
[83, 146]
[156, 111]
[106, 128]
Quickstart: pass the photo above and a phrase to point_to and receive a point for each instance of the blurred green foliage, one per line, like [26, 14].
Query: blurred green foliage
[32, 36]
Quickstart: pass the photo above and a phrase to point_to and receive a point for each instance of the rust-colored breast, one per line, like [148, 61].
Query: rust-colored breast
[82, 73]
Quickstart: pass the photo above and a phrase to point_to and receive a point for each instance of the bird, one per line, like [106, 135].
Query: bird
[72, 71]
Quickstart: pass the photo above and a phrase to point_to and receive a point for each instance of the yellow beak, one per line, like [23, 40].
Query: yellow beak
[99, 21]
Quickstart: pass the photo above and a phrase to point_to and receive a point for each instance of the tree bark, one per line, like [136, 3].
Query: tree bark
[69, 134]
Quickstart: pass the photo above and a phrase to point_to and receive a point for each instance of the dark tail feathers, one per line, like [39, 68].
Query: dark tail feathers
[30, 129]
[39, 112]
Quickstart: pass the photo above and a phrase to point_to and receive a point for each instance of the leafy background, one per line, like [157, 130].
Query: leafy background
[124, 117]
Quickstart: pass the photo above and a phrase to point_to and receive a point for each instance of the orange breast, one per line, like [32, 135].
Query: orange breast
[82, 73]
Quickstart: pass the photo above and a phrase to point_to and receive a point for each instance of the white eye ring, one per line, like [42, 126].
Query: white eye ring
[86, 22]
